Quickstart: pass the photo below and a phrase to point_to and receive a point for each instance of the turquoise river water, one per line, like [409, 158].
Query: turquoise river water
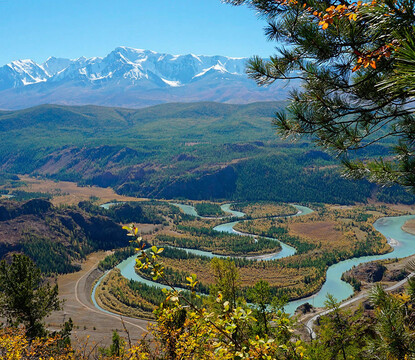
[403, 245]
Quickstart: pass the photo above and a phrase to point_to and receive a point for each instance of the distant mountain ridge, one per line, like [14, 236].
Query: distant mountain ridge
[130, 77]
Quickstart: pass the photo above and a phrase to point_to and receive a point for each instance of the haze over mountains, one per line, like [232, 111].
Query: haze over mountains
[130, 77]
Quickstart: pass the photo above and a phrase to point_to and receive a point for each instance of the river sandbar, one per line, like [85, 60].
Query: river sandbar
[409, 226]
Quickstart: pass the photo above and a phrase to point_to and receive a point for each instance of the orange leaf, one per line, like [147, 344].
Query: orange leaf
[373, 64]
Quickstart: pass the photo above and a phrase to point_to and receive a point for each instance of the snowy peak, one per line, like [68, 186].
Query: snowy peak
[129, 77]
[26, 72]
[54, 65]
[215, 68]
[122, 65]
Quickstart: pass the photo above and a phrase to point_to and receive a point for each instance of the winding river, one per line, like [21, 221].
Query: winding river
[403, 245]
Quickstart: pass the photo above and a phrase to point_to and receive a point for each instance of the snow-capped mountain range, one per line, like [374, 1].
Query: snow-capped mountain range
[130, 77]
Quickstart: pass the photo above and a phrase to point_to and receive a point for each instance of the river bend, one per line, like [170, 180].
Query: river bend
[403, 245]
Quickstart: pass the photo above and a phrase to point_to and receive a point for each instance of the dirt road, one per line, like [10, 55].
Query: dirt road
[363, 295]
[90, 322]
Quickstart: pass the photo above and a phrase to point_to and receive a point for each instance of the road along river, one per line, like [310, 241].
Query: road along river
[403, 245]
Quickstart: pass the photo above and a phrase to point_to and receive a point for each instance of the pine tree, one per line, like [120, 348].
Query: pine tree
[356, 64]
[25, 297]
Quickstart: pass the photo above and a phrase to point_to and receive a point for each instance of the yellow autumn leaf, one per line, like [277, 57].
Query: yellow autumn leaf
[352, 17]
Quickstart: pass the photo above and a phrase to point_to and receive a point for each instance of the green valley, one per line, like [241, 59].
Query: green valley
[194, 151]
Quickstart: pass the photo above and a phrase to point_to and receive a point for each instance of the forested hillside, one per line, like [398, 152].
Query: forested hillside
[57, 239]
[195, 151]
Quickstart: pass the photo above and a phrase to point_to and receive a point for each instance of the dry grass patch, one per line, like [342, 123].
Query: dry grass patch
[192, 266]
[266, 209]
[397, 207]
[66, 192]
[323, 232]
[282, 277]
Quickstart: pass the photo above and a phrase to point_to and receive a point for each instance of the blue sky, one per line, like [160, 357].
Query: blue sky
[37, 29]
